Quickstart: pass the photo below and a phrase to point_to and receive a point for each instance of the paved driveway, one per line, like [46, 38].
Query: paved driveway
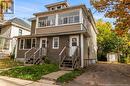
[104, 75]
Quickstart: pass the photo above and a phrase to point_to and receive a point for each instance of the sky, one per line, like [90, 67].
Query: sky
[24, 9]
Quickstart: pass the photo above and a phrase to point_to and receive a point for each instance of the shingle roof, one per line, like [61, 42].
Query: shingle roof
[20, 22]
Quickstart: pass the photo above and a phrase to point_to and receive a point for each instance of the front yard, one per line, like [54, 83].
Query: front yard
[34, 72]
[9, 63]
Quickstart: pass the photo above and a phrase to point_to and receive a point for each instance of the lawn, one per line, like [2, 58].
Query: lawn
[9, 63]
[70, 76]
[34, 72]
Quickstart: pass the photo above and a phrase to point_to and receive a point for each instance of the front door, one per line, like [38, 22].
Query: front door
[74, 42]
[43, 43]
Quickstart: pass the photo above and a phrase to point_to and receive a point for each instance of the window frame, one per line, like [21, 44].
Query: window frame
[20, 32]
[23, 48]
[53, 43]
[68, 20]
[47, 22]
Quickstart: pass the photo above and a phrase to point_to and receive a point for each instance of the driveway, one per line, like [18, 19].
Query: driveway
[104, 75]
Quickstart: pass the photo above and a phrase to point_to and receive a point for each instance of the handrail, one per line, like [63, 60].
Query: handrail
[75, 57]
[62, 55]
[25, 55]
[62, 50]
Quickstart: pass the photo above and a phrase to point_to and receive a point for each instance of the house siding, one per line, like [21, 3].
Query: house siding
[33, 26]
[59, 29]
[52, 54]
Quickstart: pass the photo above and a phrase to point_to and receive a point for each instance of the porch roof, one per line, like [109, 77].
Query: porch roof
[52, 34]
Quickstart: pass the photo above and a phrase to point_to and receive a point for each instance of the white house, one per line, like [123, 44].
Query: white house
[9, 29]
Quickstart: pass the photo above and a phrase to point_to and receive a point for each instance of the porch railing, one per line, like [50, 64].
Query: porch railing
[36, 55]
[29, 54]
[62, 55]
[76, 58]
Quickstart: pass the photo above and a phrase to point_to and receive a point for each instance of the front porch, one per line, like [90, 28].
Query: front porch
[64, 50]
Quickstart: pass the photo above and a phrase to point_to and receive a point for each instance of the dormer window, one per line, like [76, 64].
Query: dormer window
[52, 8]
[58, 7]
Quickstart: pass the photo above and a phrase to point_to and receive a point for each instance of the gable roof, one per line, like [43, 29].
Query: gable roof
[20, 22]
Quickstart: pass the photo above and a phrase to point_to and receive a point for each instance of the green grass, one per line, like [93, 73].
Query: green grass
[70, 76]
[9, 63]
[34, 72]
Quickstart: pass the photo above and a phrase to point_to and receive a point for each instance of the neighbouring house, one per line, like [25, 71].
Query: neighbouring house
[64, 34]
[9, 29]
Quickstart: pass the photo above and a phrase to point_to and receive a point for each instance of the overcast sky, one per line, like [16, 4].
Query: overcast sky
[24, 9]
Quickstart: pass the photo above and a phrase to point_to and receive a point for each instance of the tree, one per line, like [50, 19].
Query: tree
[118, 9]
[4, 6]
[108, 40]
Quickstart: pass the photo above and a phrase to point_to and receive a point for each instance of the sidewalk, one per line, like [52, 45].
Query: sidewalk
[55, 75]
[6, 81]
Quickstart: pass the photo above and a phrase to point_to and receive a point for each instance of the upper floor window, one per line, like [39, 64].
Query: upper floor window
[59, 7]
[52, 8]
[46, 21]
[68, 18]
[20, 32]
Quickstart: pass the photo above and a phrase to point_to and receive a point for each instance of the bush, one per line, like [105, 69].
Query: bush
[123, 59]
[34, 72]
[101, 57]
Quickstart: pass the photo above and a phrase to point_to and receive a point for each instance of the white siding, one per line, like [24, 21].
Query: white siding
[15, 32]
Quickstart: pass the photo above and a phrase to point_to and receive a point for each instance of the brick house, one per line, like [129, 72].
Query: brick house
[64, 34]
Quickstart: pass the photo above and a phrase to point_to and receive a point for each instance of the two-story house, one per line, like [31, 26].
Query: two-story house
[9, 29]
[64, 34]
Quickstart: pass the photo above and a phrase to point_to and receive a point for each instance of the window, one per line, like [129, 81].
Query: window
[20, 32]
[65, 20]
[44, 44]
[68, 18]
[71, 20]
[6, 44]
[76, 19]
[58, 7]
[21, 43]
[55, 42]
[52, 8]
[33, 42]
[74, 41]
[27, 44]
[46, 21]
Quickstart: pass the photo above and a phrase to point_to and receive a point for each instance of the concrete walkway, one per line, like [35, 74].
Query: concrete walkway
[6, 81]
[55, 75]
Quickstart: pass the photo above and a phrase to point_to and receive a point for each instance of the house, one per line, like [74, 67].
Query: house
[64, 34]
[9, 29]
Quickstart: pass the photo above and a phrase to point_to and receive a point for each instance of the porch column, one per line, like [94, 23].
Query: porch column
[16, 48]
[56, 21]
[82, 49]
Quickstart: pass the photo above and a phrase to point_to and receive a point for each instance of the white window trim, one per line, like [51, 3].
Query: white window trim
[24, 43]
[62, 18]
[53, 43]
